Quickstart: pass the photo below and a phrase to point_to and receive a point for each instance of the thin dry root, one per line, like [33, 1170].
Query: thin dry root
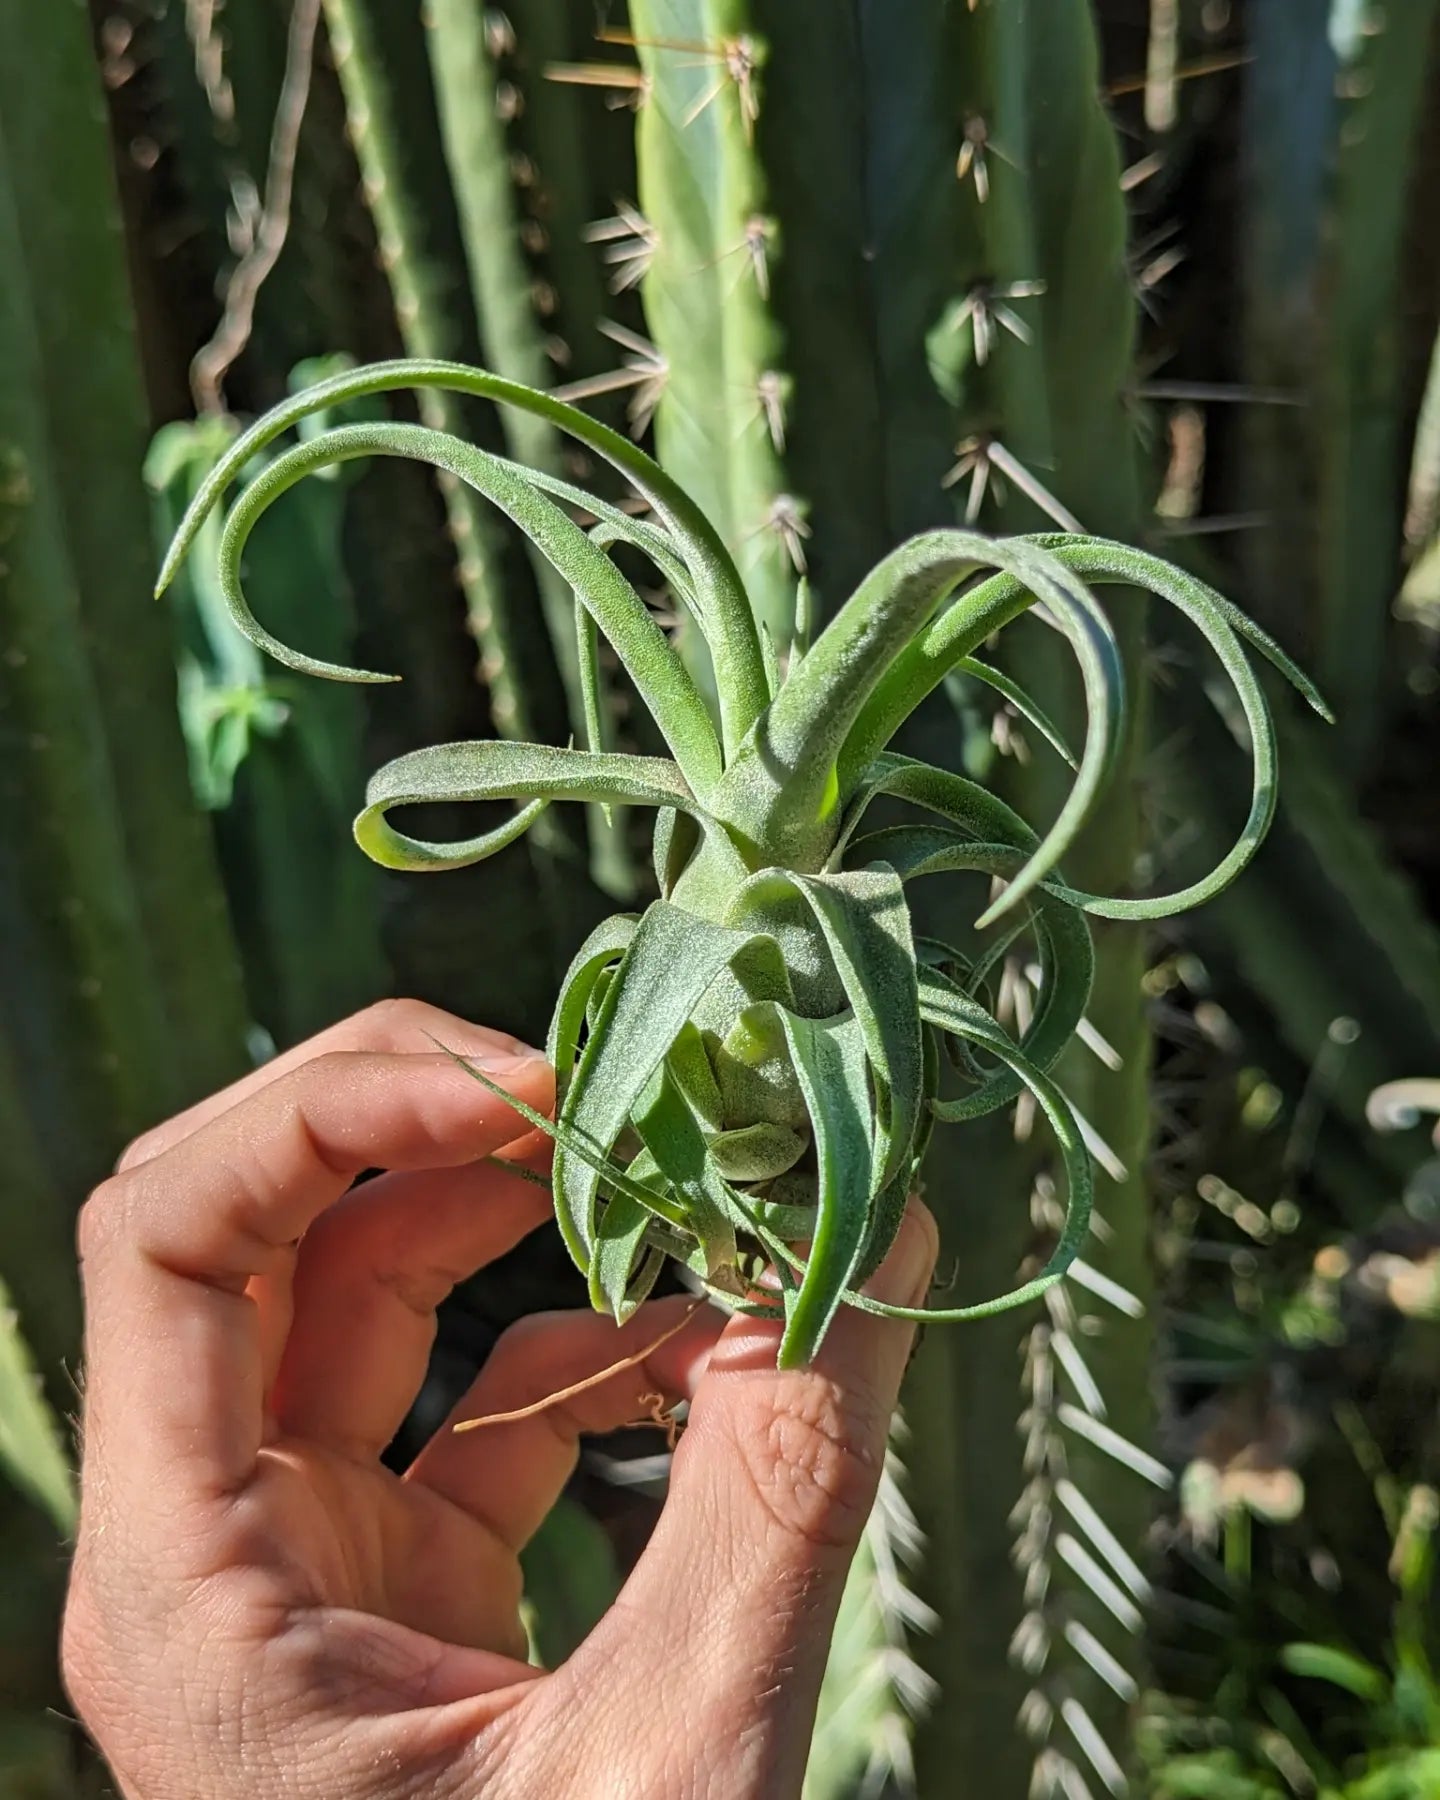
[579, 1387]
[659, 1411]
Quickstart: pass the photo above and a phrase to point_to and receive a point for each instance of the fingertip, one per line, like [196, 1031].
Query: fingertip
[524, 1076]
[529, 1078]
[682, 1363]
[507, 1057]
[505, 1062]
[904, 1278]
[533, 1151]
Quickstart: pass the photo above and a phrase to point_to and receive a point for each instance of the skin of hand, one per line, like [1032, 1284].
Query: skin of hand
[259, 1609]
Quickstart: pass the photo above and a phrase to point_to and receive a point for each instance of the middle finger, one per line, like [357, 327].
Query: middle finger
[369, 1276]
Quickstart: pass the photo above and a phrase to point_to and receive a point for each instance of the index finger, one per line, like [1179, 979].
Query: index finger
[174, 1369]
[401, 1025]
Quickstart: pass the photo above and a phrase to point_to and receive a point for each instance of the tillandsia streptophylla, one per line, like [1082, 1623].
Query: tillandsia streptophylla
[753, 1064]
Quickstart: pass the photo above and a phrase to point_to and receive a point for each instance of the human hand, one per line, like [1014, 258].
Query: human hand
[260, 1609]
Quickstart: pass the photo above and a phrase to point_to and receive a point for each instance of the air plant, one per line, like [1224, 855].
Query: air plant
[750, 1069]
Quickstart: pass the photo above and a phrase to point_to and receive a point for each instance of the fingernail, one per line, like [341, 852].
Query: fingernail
[507, 1057]
[903, 1279]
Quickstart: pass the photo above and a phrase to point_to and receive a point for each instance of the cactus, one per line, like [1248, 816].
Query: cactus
[469, 100]
[246, 126]
[125, 986]
[275, 765]
[922, 128]
[1362, 448]
[708, 283]
[419, 248]
[123, 999]
[873, 1688]
[570, 162]
[1034, 352]
[1335, 117]
[1287, 141]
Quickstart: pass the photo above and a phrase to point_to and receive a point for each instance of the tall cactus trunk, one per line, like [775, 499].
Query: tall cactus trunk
[811, 248]
[1326, 239]
[470, 100]
[1362, 448]
[1045, 388]
[394, 125]
[1333, 114]
[122, 992]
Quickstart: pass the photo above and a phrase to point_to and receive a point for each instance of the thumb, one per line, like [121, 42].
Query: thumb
[735, 1598]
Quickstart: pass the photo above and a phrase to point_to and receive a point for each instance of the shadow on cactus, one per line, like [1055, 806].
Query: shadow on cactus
[755, 1062]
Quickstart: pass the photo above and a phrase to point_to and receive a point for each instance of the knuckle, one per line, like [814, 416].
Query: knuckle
[517, 1341]
[400, 1018]
[137, 1151]
[810, 1461]
[79, 1661]
[102, 1216]
[405, 1024]
[394, 1009]
[421, 1290]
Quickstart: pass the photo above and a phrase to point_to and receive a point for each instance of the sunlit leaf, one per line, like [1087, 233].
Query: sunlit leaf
[830, 1060]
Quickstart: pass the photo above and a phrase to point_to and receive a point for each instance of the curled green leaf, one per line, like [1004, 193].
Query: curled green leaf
[494, 769]
[731, 634]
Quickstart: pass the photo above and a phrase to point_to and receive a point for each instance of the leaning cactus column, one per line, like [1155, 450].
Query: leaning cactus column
[418, 244]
